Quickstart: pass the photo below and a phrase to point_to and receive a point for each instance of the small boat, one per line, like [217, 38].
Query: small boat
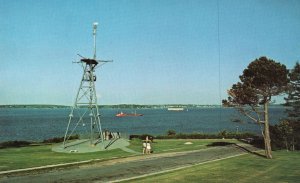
[121, 114]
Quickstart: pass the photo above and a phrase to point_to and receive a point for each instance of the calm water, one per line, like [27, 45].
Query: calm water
[39, 124]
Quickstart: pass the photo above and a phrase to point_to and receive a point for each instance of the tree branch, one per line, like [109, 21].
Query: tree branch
[243, 111]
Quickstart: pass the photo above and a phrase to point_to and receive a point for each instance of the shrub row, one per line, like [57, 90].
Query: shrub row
[221, 135]
[141, 137]
[17, 143]
[14, 144]
[229, 135]
[60, 139]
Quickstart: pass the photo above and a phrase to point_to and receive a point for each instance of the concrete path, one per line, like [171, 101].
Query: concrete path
[84, 146]
[127, 168]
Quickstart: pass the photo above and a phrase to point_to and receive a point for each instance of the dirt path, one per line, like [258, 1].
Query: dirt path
[126, 168]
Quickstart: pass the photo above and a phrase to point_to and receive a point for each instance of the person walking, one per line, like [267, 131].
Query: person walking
[148, 148]
[144, 147]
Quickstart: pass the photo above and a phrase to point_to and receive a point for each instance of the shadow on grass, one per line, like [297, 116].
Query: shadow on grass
[75, 143]
[219, 144]
[111, 142]
[249, 151]
[236, 146]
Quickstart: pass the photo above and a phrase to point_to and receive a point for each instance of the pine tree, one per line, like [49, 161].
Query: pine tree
[293, 103]
[262, 79]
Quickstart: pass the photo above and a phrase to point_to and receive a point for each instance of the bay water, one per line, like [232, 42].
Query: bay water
[32, 124]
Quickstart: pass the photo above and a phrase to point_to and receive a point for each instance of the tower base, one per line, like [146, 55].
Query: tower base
[84, 146]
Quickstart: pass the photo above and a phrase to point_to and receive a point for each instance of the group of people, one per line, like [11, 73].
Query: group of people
[146, 146]
[111, 135]
[147, 149]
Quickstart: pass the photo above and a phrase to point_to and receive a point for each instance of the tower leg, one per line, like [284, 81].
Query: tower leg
[86, 98]
[65, 137]
[92, 127]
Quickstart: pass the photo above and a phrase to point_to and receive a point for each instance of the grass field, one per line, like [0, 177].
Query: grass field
[175, 145]
[25, 157]
[285, 167]
[33, 156]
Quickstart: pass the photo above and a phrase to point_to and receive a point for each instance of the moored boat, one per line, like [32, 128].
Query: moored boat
[121, 114]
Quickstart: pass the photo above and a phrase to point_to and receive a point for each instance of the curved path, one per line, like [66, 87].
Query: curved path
[128, 168]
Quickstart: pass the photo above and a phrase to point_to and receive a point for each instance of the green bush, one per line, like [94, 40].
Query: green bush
[60, 139]
[141, 137]
[285, 137]
[171, 132]
[14, 144]
[230, 135]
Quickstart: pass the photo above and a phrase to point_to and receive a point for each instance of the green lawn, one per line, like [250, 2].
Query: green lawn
[176, 145]
[285, 167]
[33, 156]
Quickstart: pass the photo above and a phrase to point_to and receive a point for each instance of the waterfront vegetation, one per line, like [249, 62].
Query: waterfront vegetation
[171, 135]
[284, 167]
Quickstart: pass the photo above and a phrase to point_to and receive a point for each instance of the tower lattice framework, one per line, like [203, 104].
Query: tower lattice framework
[85, 110]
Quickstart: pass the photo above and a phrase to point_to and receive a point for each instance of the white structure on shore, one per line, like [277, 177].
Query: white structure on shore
[175, 109]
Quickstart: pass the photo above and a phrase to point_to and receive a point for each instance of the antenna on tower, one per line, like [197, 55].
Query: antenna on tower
[85, 109]
[95, 24]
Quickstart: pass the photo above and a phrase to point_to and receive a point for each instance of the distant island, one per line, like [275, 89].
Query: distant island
[121, 106]
[33, 106]
[117, 106]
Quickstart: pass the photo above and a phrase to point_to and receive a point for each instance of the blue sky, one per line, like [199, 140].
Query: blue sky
[163, 51]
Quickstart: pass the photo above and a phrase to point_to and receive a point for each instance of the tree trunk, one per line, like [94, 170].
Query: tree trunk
[286, 144]
[293, 143]
[267, 138]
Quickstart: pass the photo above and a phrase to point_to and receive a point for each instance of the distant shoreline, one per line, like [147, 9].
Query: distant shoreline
[122, 106]
[33, 106]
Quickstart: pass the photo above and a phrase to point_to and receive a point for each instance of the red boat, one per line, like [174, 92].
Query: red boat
[121, 114]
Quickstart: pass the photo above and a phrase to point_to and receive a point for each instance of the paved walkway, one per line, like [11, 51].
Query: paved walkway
[127, 168]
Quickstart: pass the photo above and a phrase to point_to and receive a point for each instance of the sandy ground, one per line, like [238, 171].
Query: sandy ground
[126, 168]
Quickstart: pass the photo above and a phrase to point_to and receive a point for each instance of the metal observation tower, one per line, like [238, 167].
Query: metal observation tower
[85, 112]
